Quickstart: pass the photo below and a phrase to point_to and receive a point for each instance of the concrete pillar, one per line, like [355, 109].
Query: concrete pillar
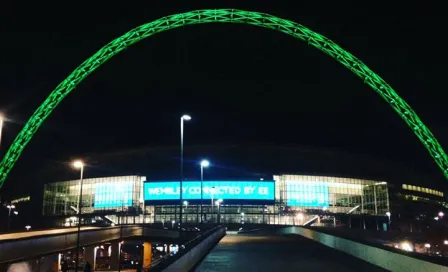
[167, 248]
[115, 255]
[147, 255]
[90, 255]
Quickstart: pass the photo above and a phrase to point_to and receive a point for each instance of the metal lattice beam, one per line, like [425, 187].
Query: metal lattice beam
[222, 16]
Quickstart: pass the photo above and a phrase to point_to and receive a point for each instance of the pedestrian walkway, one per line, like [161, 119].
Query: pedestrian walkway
[246, 253]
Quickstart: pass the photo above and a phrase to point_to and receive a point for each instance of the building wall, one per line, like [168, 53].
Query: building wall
[332, 194]
[298, 198]
[108, 194]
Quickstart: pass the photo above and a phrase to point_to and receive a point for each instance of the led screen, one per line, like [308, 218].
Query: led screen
[307, 194]
[113, 194]
[241, 190]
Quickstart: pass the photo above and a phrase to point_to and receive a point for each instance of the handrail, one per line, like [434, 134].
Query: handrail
[183, 247]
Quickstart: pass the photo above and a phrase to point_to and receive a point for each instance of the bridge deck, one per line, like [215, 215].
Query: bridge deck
[258, 252]
[15, 247]
[28, 234]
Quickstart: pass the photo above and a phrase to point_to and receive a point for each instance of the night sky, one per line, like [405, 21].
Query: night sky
[241, 84]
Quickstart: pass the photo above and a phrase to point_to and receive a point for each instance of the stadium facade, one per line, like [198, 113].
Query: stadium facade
[285, 199]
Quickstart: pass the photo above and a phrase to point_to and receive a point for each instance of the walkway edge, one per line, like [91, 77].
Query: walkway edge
[380, 257]
[191, 259]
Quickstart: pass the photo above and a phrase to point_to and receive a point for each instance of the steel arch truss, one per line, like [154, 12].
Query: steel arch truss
[222, 16]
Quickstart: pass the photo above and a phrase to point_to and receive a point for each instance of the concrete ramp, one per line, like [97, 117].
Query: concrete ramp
[277, 252]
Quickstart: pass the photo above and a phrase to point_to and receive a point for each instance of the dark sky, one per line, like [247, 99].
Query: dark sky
[240, 83]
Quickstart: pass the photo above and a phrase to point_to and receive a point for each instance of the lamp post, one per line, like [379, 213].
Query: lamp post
[186, 118]
[212, 192]
[204, 163]
[1, 127]
[186, 206]
[218, 203]
[121, 227]
[79, 165]
[388, 216]
[10, 207]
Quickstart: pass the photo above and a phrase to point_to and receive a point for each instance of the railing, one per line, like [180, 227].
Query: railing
[385, 257]
[169, 258]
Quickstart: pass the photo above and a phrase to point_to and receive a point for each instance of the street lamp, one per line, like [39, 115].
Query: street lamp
[28, 227]
[186, 207]
[204, 163]
[212, 192]
[182, 119]
[2, 118]
[10, 207]
[441, 214]
[388, 216]
[79, 165]
[218, 203]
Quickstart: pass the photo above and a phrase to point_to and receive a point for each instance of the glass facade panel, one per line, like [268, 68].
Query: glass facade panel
[98, 195]
[423, 190]
[332, 194]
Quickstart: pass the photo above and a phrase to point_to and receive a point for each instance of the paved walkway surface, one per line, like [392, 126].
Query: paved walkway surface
[238, 252]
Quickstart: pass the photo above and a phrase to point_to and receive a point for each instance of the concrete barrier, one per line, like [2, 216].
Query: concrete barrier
[381, 257]
[196, 254]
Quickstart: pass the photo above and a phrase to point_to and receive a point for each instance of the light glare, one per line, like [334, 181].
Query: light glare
[406, 246]
[186, 117]
[78, 164]
[205, 163]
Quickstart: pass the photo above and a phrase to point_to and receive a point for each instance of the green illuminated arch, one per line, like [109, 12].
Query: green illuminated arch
[222, 16]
